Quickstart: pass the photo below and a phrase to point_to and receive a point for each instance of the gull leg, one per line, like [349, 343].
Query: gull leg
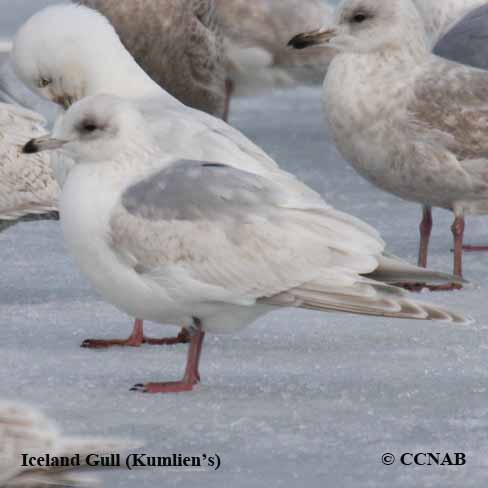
[457, 229]
[458, 234]
[229, 90]
[191, 376]
[425, 231]
[136, 339]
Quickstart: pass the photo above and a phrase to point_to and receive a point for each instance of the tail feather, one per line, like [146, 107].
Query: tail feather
[364, 298]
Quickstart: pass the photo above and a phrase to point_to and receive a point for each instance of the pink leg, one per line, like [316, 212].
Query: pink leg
[191, 376]
[425, 230]
[458, 234]
[457, 229]
[229, 90]
[136, 339]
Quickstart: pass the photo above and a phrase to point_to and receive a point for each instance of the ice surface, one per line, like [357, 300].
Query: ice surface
[300, 398]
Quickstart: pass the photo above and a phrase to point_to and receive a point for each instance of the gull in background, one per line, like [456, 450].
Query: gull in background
[211, 244]
[256, 33]
[440, 15]
[466, 41]
[28, 190]
[178, 44]
[25, 430]
[410, 122]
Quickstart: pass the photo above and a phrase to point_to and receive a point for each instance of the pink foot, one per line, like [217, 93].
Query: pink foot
[418, 287]
[169, 387]
[182, 338]
[107, 343]
[475, 248]
[136, 339]
[191, 377]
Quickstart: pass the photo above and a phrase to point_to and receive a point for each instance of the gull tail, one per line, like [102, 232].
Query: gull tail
[363, 296]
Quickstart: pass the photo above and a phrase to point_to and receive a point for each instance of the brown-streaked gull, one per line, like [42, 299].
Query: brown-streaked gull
[25, 431]
[211, 244]
[256, 33]
[466, 42]
[410, 122]
[178, 43]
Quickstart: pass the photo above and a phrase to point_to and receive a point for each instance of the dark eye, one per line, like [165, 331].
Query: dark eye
[359, 17]
[43, 82]
[89, 127]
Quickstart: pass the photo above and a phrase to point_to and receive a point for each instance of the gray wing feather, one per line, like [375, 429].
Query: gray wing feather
[466, 42]
[190, 190]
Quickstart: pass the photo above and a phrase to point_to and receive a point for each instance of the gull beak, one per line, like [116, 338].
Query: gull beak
[65, 101]
[314, 38]
[45, 143]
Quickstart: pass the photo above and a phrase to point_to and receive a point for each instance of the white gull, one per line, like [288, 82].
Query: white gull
[211, 244]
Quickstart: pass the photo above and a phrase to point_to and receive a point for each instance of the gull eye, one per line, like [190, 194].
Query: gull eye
[89, 127]
[43, 82]
[359, 17]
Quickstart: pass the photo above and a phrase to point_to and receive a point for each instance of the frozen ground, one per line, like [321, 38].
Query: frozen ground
[299, 398]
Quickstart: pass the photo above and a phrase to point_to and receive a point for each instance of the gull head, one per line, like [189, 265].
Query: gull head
[98, 129]
[363, 26]
[66, 52]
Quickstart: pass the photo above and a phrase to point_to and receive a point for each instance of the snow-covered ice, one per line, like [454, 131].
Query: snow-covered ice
[300, 397]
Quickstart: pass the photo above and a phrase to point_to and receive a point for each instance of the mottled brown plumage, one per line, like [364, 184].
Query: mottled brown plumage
[177, 43]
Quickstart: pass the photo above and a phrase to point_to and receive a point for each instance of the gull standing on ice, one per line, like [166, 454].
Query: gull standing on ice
[211, 244]
[178, 44]
[410, 122]
[256, 33]
[25, 430]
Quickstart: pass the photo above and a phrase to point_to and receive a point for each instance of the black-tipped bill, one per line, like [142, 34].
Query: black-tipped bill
[42, 144]
[309, 39]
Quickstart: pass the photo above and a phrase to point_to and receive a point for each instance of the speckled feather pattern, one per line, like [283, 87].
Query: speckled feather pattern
[412, 123]
[27, 185]
[177, 42]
